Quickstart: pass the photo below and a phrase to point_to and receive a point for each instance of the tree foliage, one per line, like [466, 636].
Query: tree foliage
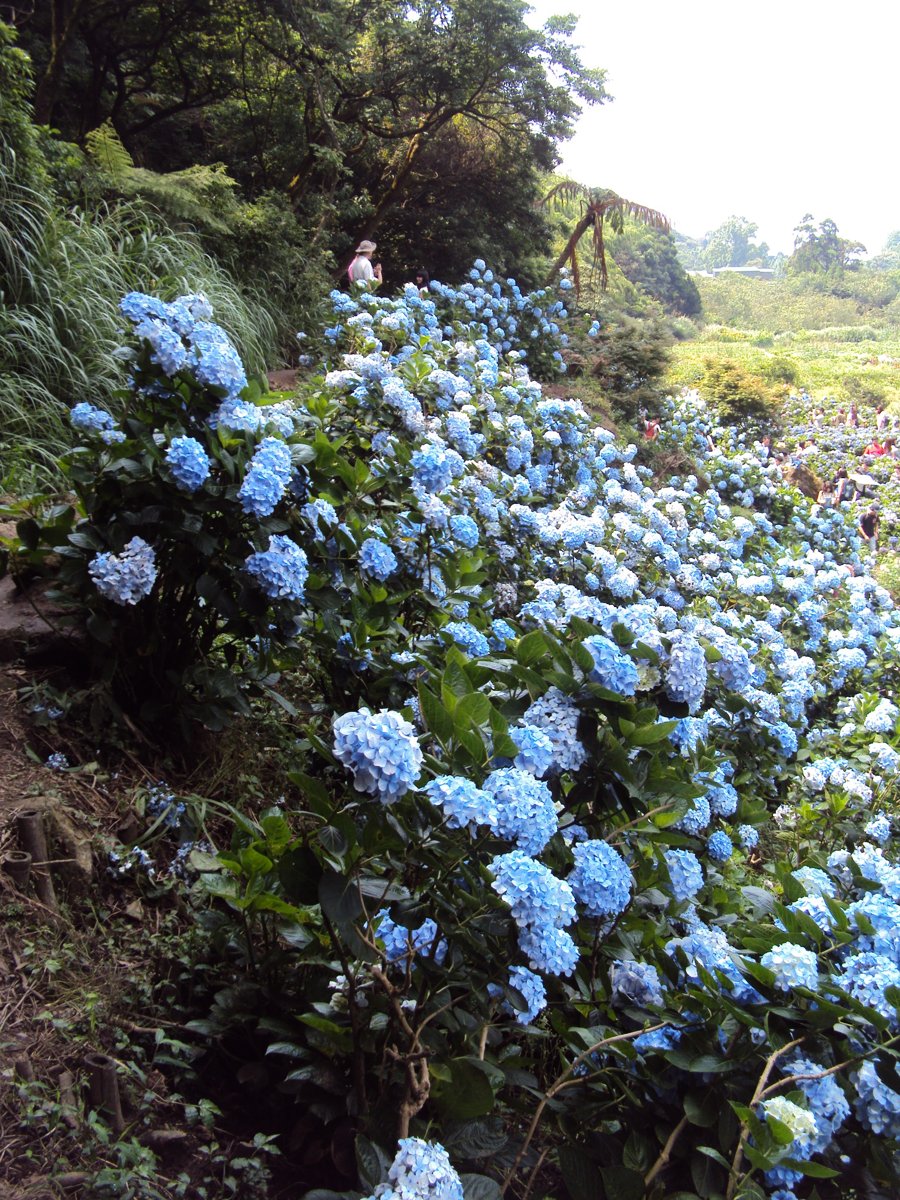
[600, 208]
[820, 249]
[732, 245]
[649, 259]
[359, 111]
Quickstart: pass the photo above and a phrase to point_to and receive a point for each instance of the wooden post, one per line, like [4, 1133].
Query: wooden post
[30, 824]
[105, 1089]
[17, 865]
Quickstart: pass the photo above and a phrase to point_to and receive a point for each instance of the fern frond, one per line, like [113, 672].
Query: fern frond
[104, 148]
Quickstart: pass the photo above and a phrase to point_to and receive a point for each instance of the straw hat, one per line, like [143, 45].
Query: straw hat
[366, 247]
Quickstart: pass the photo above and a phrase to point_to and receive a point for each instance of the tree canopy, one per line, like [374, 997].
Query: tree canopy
[819, 249]
[357, 110]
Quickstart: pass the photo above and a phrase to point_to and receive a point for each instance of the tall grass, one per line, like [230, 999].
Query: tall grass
[62, 273]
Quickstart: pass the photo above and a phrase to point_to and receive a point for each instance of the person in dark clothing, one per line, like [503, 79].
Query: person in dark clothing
[868, 528]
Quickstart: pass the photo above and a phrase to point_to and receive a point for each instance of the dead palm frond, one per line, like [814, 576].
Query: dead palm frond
[601, 207]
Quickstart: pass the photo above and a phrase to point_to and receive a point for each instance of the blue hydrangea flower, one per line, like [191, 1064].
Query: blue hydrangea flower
[550, 950]
[420, 1169]
[719, 847]
[793, 966]
[261, 490]
[281, 571]
[877, 1105]
[883, 718]
[535, 749]
[240, 416]
[612, 669]
[536, 897]
[557, 715]
[866, 976]
[434, 467]
[879, 828]
[826, 1100]
[128, 577]
[381, 750]
[472, 640]
[816, 882]
[57, 761]
[189, 463]
[464, 530]
[465, 805]
[635, 983]
[685, 873]
[402, 943]
[696, 818]
[601, 879]
[686, 671]
[531, 988]
[220, 366]
[666, 1038]
[748, 836]
[377, 558]
[525, 810]
[89, 419]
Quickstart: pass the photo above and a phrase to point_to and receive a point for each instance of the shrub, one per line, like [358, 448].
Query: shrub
[740, 397]
[511, 877]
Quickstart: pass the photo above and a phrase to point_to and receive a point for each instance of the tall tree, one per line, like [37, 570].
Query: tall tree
[600, 207]
[821, 249]
[732, 245]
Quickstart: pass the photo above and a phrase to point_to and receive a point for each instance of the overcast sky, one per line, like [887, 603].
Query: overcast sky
[767, 110]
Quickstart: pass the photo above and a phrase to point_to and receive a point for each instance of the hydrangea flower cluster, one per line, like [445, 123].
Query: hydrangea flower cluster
[601, 879]
[525, 811]
[125, 578]
[377, 559]
[281, 570]
[685, 874]
[420, 1171]
[87, 418]
[381, 750]
[402, 943]
[465, 806]
[189, 463]
[793, 966]
[541, 906]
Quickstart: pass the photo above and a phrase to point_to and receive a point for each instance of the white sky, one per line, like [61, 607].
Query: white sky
[767, 111]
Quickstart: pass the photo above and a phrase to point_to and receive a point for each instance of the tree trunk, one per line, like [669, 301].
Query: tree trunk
[62, 27]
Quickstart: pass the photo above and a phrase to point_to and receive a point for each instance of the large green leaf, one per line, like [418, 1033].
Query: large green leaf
[468, 1093]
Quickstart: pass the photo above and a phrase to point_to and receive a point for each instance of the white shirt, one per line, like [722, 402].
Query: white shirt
[360, 270]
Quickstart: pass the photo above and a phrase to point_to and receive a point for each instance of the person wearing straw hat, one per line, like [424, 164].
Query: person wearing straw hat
[361, 270]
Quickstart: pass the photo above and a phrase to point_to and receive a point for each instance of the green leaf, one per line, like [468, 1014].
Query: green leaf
[468, 1094]
[701, 1109]
[480, 1187]
[475, 708]
[277, 831]
[335, 1033]
[621, 1183]
[454, 680]
[435, 716]
[648, 735]
[814, 1170]
[371, 1163]
[782, 1133]
[580, 1174]
[341, 904]
[531, 647]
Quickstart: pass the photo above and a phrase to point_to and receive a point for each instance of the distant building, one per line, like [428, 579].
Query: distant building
[750, 272]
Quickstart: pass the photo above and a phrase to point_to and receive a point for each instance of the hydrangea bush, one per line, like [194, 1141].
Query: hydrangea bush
[593, 816]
